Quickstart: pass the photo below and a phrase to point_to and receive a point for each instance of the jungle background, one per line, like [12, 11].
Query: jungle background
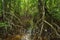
[29, 19]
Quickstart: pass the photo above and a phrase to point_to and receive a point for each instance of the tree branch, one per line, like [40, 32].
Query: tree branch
[56, 25]
[52, 28]
[43, 14]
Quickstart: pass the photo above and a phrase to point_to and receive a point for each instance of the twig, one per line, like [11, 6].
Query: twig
[52, 28]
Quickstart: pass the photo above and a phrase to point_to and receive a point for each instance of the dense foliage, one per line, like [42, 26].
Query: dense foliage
[32, 17]
[53, 8]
